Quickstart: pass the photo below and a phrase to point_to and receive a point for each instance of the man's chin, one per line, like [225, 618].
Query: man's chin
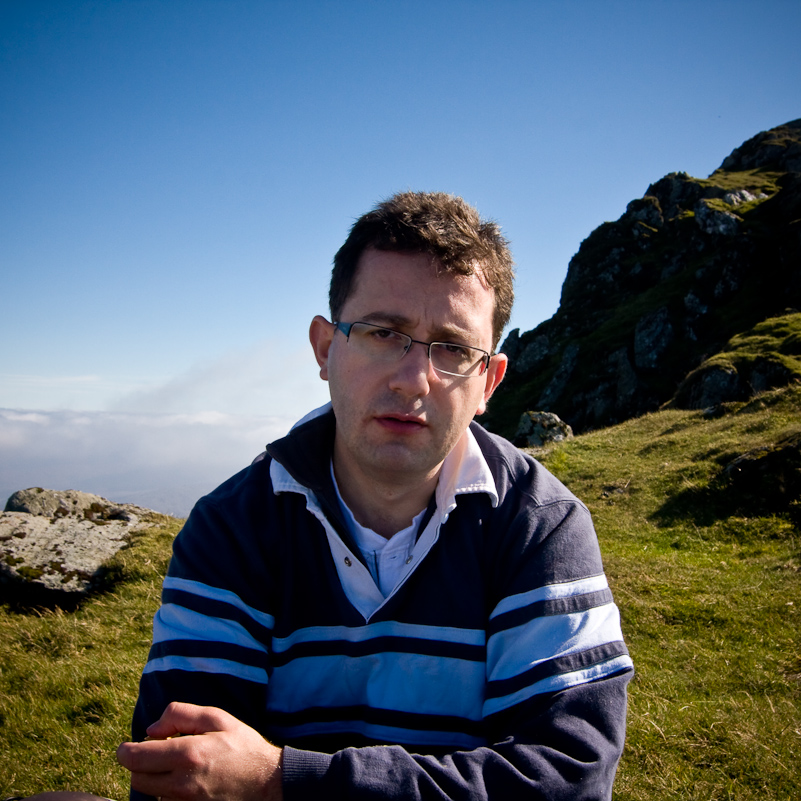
[399, 457]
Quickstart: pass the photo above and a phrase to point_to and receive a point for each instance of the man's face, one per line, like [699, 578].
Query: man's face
[399, 420]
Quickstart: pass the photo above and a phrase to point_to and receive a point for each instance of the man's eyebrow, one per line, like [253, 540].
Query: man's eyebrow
[386, 318]
[392, 320]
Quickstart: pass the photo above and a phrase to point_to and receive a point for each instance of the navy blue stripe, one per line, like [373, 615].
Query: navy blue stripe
[210, 650]
[555, 667]
[381, 645]
[555, 606]
[378, 717]
[215, 608]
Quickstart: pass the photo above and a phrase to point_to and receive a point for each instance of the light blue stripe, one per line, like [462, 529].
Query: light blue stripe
[218, 594]
[389, 734]
[560, 682]
[197, 664]
[387, 628]
[551, 592]
[173, 622]
[402, 682]
[513, 651]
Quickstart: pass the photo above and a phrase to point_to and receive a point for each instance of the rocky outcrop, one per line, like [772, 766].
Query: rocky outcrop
[776, 149]
[53, 544]
[766, 480]
[651, 298]
[713, 220]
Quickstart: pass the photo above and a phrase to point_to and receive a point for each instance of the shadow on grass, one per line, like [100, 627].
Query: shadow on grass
[765, 482]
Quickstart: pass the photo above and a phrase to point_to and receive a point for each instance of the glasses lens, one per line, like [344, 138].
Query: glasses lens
[379, 343]
[457, 359]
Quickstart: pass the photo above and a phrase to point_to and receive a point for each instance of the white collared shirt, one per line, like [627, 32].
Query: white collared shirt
[465, 470]
[386, 558]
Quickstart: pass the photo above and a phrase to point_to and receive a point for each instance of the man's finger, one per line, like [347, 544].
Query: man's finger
[180, 718]
[154, 756]
[157, 785]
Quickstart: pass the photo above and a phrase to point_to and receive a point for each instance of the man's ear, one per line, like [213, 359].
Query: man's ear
[493, 376]
[321, 334]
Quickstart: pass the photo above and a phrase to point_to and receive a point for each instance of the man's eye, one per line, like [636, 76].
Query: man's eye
[456, 350]
[388, 335]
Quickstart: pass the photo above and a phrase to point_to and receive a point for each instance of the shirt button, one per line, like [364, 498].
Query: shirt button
[408, 560]
[347, 561]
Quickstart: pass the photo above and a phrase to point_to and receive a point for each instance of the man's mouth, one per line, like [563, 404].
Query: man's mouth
[401, 423]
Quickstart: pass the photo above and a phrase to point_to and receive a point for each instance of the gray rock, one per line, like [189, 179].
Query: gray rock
[653, 335]
[626, 383]
[538, 428]
[731, 279]
[695, 308]
[711, 385]
[646, 210]
[69, 503]
[740, 196]
[559, 381]
[532, 354]
[716, 221]
[675, 192]
[511, 345]
[53, 544]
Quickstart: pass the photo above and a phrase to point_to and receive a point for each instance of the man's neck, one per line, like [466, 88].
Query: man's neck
[386, 507]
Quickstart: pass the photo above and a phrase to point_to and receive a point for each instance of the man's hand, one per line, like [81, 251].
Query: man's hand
[221, 759]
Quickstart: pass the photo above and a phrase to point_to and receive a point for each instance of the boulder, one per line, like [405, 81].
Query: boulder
[70, 503]
[715, 382]
[740, 196]
[53, 544]
[538, 428]
[710, 385]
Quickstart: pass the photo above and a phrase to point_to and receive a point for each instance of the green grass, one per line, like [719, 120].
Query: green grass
[755, 181]
[711, 603]
[710, 596]
[68, 680]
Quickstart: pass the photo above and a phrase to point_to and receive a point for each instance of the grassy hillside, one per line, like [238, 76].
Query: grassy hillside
[707, 580]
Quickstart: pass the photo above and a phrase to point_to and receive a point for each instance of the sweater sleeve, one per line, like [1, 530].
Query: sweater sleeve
[568, 748]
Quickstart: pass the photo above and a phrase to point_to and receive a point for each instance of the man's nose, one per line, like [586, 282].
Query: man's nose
[414, 372]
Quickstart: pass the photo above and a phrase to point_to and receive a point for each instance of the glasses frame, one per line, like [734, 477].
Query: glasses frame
[345, 328]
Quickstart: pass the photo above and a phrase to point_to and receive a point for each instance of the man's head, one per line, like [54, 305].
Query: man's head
[437, 224]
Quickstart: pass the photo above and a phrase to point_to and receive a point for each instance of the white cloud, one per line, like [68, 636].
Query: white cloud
[263, 378]
[163, 461]
[161, 445]
[266, 377]
[25, 391]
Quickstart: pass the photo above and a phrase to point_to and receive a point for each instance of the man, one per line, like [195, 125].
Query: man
[390, 602]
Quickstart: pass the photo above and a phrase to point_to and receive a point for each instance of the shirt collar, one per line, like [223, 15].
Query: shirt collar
[464, 471]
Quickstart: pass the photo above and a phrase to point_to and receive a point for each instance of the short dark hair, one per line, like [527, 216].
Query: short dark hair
[442, 225]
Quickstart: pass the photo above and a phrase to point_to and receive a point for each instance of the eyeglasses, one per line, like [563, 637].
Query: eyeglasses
[386, 345]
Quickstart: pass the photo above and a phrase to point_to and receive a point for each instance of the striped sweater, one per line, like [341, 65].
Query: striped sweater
[495, 669]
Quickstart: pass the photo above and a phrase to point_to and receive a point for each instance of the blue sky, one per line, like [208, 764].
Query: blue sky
[177, 176]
